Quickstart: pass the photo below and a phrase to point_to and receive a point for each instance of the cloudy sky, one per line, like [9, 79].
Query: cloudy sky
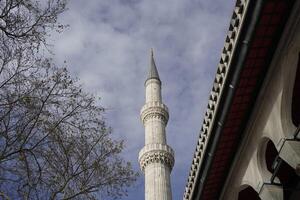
[107, 46]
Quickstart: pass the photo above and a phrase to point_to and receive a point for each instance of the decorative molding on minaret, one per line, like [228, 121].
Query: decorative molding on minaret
[155, 109]
[156, 153]
[156, 158]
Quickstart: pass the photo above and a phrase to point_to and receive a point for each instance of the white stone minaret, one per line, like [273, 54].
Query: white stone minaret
[156, 158]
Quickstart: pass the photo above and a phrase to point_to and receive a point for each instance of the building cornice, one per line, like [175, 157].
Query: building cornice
[229, 48]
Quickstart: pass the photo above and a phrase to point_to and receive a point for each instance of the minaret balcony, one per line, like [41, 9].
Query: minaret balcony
[156, 153]
[155, 109]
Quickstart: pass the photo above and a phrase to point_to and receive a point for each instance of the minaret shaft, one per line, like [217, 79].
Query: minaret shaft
[153, 90]
[157, 188]
[156, 158]
[154, 126]
[155, 132]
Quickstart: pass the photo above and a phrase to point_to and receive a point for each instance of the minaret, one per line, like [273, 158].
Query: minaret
[156, 158]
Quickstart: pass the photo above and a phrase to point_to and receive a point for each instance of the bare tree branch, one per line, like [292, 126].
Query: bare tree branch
[54, 143]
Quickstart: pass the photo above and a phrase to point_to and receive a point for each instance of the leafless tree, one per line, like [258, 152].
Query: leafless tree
[29, 21]
[54, 143]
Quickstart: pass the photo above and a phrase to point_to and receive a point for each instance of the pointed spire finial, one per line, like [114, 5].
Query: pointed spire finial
[153, 73]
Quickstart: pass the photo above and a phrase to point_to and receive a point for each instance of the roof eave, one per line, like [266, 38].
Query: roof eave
[227, 92]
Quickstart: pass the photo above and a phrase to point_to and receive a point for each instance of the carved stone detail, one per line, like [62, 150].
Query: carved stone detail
[157, 157]
[156, 153]
[155, 110]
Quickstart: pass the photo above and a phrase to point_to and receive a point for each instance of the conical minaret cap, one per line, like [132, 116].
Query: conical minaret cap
[153, 73]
